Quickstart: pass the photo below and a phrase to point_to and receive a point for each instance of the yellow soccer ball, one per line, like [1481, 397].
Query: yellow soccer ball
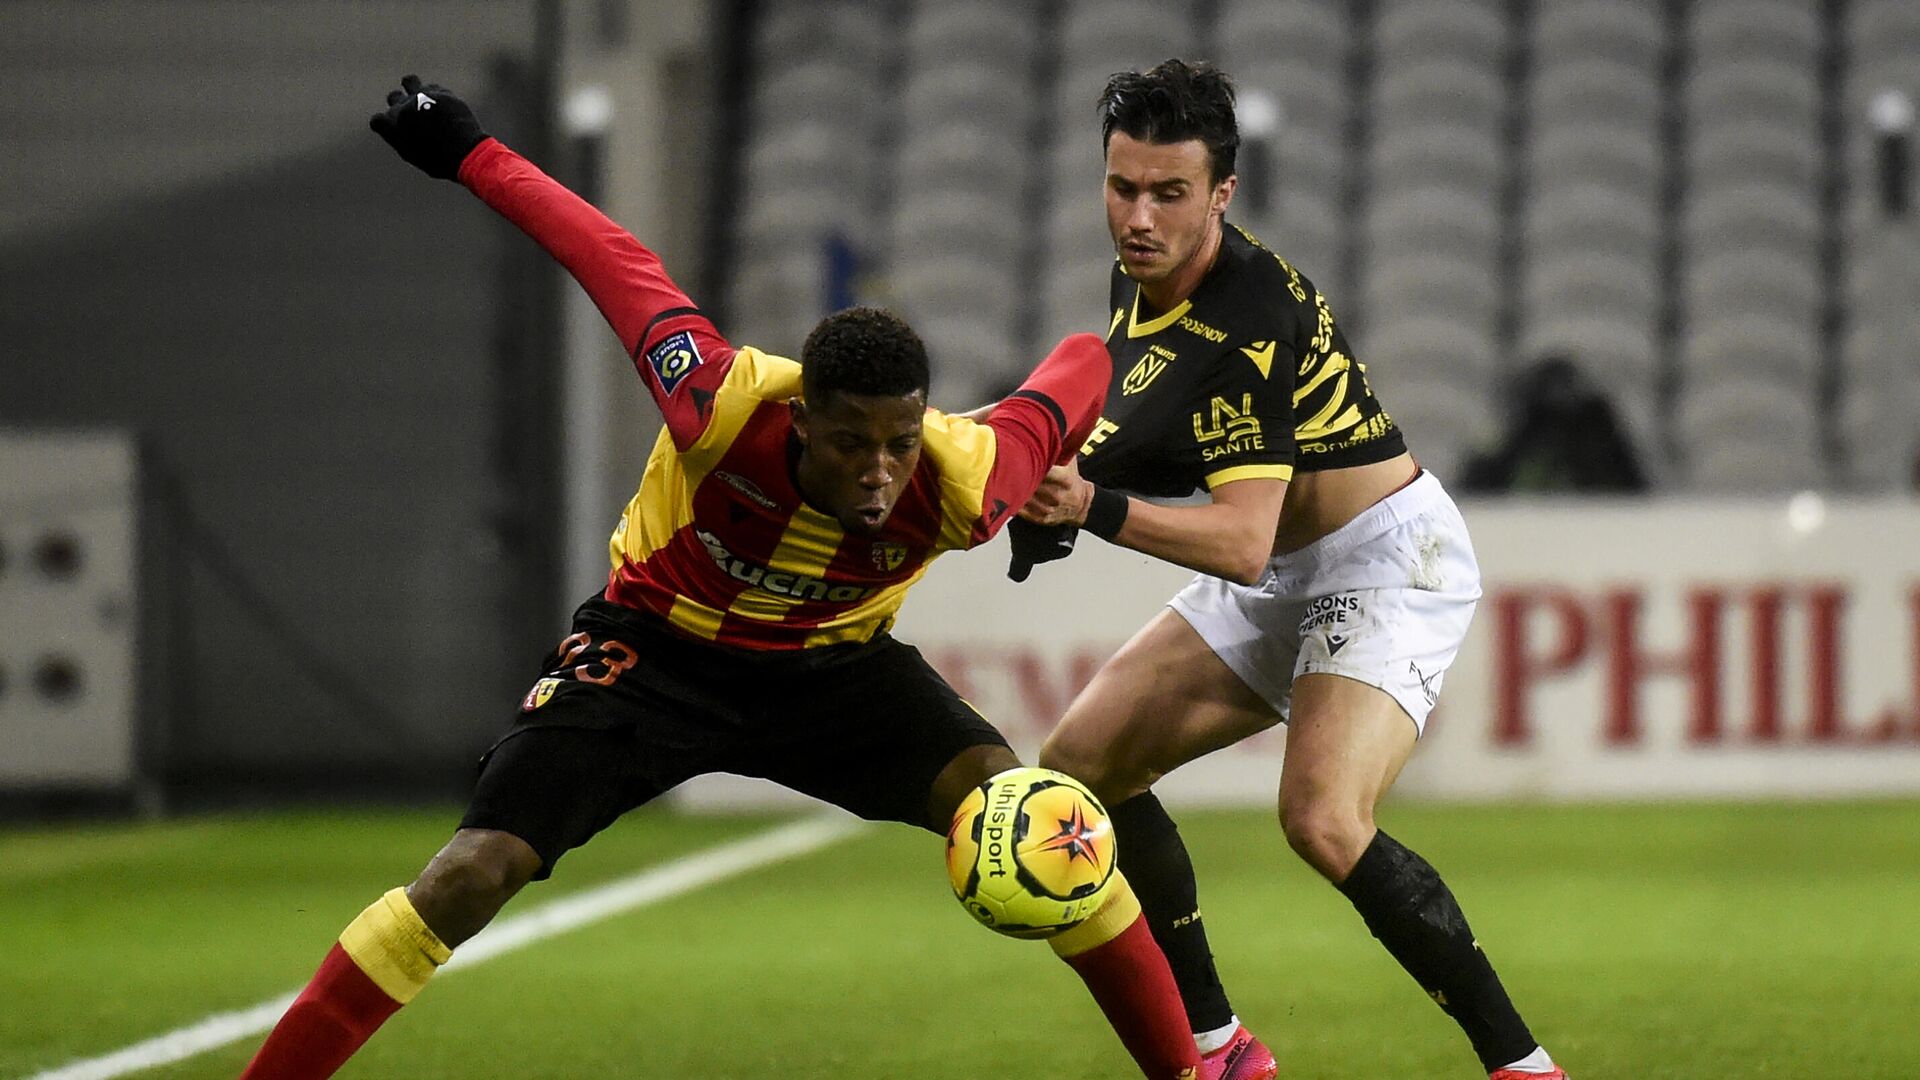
[1030, 853]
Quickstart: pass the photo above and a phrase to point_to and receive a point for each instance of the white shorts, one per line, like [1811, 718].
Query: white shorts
[1385, 600]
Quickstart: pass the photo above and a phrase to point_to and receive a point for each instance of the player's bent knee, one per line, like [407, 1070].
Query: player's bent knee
[1330, 840]
[1092, 763]
[470, 880]
[968, 770]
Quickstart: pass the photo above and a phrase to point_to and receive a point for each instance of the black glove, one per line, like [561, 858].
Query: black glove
[429, 127]
[1035, 544]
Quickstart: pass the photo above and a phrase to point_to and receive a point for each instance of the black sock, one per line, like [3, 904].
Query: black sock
[1415, 916]
[1156, 864]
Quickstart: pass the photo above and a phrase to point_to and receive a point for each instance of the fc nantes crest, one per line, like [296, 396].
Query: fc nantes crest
[540, 694]
[889, 556]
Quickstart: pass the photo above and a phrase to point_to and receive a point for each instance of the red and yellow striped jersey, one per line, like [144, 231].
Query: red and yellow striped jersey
[718, 541]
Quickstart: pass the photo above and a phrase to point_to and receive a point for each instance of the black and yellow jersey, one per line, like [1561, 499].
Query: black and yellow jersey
[1248, 377]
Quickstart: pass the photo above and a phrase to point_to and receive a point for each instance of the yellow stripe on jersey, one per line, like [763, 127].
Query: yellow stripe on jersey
[647, 524]
[695, 618]
[864, 621]
[805, 548]
[964, 452]
[1248, 472]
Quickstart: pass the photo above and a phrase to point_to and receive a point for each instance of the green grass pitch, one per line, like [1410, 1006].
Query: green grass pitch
[1642, 943]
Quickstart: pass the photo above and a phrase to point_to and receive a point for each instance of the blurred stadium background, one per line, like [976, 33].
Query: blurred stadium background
[304, 459]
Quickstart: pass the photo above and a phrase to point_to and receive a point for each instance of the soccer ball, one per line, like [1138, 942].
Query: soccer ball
[1030, 853]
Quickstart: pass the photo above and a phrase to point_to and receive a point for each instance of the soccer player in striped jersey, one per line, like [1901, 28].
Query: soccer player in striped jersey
[1336, 576]
[784, 512]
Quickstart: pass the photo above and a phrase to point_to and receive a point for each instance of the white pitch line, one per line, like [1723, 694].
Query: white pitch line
[557, 917]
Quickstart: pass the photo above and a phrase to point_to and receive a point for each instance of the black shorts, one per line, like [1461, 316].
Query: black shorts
[626, 709]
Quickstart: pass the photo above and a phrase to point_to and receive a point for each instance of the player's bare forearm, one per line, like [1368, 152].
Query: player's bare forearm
[1228, 539]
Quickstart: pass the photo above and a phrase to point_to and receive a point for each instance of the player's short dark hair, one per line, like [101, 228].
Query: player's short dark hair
[1174, 102]
[863, 350]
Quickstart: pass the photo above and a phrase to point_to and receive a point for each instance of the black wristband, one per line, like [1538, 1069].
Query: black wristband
[1106, 513]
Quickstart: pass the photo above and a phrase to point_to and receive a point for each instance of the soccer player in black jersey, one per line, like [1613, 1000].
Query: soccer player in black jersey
[1336, 577]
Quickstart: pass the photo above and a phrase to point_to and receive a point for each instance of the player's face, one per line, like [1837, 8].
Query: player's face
[857, 452]
[1161, 202]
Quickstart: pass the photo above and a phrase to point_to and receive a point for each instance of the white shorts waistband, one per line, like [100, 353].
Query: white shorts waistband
[1422, 495]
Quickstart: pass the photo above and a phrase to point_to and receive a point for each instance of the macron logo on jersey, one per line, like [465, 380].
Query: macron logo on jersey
[673, 359]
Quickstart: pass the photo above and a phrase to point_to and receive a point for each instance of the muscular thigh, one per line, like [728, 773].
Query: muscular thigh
[1163, 700]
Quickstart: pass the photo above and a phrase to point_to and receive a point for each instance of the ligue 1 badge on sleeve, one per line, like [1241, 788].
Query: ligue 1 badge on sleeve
[672, 359]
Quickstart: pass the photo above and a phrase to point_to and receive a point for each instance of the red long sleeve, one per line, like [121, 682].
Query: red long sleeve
[675, 348]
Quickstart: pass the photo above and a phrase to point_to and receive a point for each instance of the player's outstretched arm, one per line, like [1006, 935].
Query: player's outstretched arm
[1042, 424]
[432, 129]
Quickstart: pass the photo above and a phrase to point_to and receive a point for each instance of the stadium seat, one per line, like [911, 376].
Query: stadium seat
[1073, 299]
[1758, 348]
[1294, 33]
[1428, 346]
[1578, 154]
[1099, 37]
[1311, 95]
[1599, 91]
[1753, 151]
[1608, 288]
[776, 300]
[1749, 436]
[967, 93]
[1313, 159]
[1433, 286]
[836, 93]
[1472, 32]
[1631, 34]
[1591, 219]
[964, 156]
[1469, 159]
[987, 292]
[848, 33]
[1785, 96]
[1737, 284]
[810, 155]
[1621, 355]
[971, 360]
[1438, 221]
[932, 224]
[996, 33]
[1740, 31]
[1432, 93]
[1753, 216]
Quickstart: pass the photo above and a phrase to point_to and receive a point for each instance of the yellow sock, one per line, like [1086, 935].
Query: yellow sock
[1102, 926]
[391, 943]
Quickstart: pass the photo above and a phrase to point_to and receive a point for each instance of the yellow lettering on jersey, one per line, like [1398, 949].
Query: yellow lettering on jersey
[1099, 435]
[1237, 446]
[1226, 422]
[1147, 370]
[1261, 353]
[1195, 326]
